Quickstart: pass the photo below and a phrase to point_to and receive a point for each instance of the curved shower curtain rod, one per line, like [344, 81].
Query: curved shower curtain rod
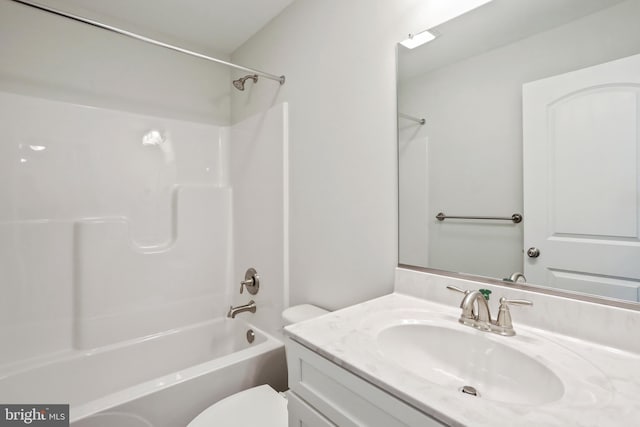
[77, 18]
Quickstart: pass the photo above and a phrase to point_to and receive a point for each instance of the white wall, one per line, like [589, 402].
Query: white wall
[339, 60]
[474, 127]
[48, 56]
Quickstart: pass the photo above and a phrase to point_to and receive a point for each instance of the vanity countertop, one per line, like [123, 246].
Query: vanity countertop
[603, 382]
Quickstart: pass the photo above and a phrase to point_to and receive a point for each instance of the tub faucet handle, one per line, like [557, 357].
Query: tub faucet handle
[251, 281]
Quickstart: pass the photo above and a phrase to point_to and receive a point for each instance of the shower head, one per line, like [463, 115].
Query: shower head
[239, 84]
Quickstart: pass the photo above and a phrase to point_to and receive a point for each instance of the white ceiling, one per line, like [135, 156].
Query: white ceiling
[212, 26]
[495, 24]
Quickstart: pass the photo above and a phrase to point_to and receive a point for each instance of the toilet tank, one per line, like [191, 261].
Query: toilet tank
[299, 313]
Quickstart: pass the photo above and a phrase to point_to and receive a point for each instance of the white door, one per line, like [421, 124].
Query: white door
[581, 179]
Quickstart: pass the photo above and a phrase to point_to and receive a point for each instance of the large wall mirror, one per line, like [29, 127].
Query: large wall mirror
[530, 107]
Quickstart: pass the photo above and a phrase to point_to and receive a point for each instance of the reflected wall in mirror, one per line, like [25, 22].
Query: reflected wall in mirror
[530, 107]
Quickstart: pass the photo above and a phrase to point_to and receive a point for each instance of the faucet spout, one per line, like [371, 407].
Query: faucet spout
[481, 320]
[233, 311]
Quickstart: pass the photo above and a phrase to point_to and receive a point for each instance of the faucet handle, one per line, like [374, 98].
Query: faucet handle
[251, 281]
[505, 301]
[247, 283]
[503, 322]
[457, 289]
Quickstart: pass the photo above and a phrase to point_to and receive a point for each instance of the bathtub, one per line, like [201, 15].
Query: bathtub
[163, 380]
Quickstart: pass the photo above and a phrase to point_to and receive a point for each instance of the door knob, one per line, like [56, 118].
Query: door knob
[533, 252]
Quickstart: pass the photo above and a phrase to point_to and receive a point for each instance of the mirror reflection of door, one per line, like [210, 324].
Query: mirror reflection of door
[581, 179]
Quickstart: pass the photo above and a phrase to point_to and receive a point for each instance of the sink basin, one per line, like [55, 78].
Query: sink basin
[472, 360]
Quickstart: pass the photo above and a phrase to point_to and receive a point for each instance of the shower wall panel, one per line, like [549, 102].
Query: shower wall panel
[112, 225]
[259, 159]
[123, 290]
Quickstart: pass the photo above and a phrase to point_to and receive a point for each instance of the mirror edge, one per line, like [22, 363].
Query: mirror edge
[530, 287]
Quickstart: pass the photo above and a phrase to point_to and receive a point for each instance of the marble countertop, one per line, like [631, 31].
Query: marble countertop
[602, 384]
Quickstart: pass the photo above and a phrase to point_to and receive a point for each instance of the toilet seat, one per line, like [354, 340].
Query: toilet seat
[257, 406]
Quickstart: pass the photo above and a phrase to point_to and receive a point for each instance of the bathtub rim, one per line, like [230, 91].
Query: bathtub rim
[8, 370]
[269, 343]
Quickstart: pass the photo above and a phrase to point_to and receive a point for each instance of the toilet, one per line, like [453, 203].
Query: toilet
[268, 407]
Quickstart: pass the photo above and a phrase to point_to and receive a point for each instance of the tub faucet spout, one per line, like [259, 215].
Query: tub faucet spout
[233, 311]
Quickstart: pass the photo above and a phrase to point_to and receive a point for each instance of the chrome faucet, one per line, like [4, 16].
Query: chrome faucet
[233, 311]
[482, 319]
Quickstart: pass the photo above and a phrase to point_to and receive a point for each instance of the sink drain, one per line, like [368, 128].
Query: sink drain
[469, 390]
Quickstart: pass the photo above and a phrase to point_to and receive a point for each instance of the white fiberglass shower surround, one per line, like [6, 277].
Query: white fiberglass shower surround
[123, 239]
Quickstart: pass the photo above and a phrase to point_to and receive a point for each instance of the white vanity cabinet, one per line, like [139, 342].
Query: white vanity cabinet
[323, 394]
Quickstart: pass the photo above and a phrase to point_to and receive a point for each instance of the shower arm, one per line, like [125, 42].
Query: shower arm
[280, 79]
[413, 119]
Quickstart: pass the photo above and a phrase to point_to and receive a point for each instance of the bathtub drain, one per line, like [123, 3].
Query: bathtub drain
[251, 336]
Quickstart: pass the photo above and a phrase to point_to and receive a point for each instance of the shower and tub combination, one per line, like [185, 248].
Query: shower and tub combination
[123, 239]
